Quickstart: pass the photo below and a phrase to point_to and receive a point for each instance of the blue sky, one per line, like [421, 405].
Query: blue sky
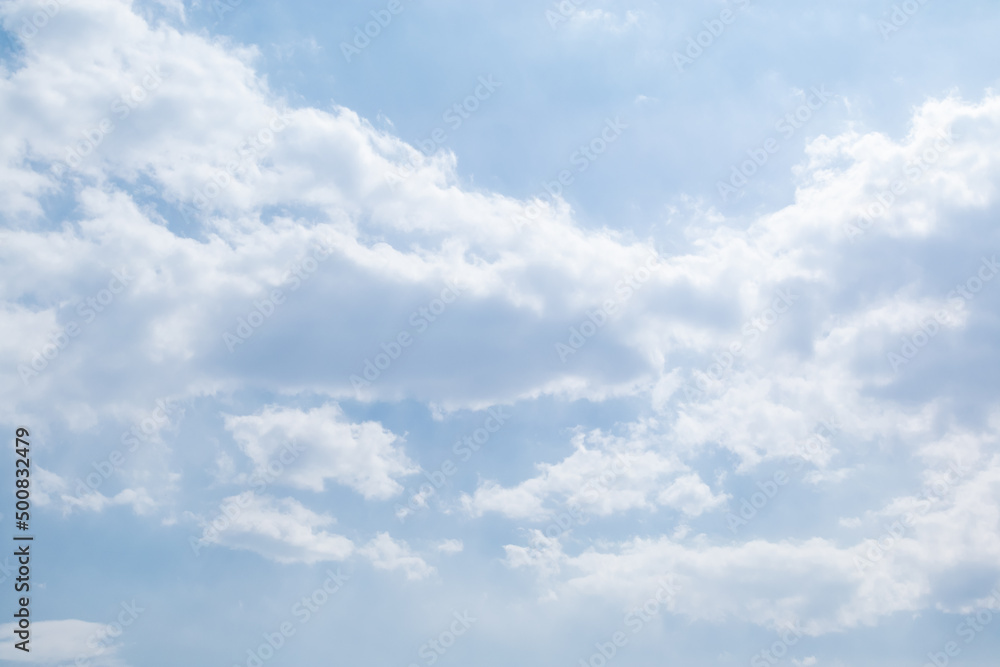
[613, 333]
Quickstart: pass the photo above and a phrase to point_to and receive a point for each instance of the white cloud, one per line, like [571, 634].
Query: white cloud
[450, 546]
[95, 501]
[52, 489]
[60, 642]
[310, 447]
[282, 530]
[604, 475]
[389, 554]
[600, 19]
[544, 554]
[690, 495]
[815, 583]
[395, 247]
[333, 164]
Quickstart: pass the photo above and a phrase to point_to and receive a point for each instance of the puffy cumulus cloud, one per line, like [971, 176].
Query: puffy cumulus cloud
[789, 409]
[811, 583]
[605, 474]
[753, 417]
[112, 117]
[815, 410]
[386, 553]
[183, 188]
[138, 148]
[689, 494]
[847, 308]
[860, 189]
[908, 560]
[282, 530]
[174, 191]
[285, 531]
[65, 642]
[948, 526]
[310, 447]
